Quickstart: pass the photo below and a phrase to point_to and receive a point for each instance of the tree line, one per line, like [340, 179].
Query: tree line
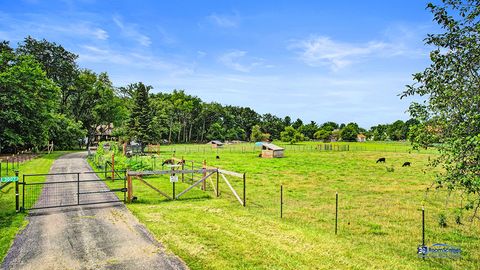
[46, 97]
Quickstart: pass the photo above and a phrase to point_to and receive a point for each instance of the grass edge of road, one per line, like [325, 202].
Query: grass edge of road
[11, 223]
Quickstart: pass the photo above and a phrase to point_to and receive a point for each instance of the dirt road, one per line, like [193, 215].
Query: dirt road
[86, 237]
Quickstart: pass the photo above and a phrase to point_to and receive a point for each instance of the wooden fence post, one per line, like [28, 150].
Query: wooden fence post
[204, 167]
[129, 188]
[423, 225]
[218, 192]
[183, 168]
[244, 190]
[281, 201]
[336, 212]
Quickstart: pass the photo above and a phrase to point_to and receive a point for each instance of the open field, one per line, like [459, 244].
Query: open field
[379, 212]
[10, 222]
[400, 147]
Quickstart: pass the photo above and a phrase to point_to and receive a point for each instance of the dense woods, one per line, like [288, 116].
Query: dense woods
[45, 96]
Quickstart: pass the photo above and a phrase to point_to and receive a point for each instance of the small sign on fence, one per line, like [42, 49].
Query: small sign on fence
[8, 179]
[173, 178]
[439, 251]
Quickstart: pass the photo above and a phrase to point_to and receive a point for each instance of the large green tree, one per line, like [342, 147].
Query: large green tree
[95, 102]
[349, 132]
[139, 122]
[451, 86]
[58, 63]
[273, 125]
[27, 101]
[66, 133]
[323, 134]
[291, 135]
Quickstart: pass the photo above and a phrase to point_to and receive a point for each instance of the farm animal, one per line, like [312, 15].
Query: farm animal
[382, 159]
[405, 164]
[168, 161]
[218, 157]
[172, 161]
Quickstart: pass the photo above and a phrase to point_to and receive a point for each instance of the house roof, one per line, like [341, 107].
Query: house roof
[271, 146]
[104, 129]
[361, 135]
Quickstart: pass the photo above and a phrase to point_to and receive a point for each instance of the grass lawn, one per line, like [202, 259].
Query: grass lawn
[379, 212]
[10, 222]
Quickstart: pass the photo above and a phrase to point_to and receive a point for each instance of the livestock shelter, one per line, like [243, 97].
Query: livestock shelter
[361, 138]
[270, 150]
[216, 144]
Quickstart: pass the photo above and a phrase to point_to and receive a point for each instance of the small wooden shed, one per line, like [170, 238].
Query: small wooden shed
[216, 144]
[270, 150]
[361, 137]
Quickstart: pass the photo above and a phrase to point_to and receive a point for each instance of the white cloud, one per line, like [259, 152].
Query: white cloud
[230, 60]
[93, 54]
[201, 54]
[49, 26]
[100, 34]
[323, 51]
[238, 61]
[130, 30]
[224, 21]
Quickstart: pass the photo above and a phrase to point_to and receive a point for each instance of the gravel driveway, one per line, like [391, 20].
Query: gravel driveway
[104, 236]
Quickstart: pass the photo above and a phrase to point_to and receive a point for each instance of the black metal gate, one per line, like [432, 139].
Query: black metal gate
[71, 189]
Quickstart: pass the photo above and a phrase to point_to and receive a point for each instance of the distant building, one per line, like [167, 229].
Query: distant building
[270, 150]
[103, 133]
[215, 144]
[361, 138]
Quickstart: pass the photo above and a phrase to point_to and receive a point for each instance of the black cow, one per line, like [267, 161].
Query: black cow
[405, 164]
[218, 157]
[382, 159]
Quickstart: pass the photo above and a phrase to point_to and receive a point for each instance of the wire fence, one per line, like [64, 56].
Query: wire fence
[319, 147]
[10, 163]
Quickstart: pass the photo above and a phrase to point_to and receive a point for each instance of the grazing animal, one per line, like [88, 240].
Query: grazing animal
[168, 161]
[382, 159]
[405, 164]
[218, 157]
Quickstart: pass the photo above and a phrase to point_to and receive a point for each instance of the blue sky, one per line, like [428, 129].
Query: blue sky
[316, 60]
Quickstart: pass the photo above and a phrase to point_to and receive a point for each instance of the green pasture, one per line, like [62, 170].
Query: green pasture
[379, 211]
[400, 147]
